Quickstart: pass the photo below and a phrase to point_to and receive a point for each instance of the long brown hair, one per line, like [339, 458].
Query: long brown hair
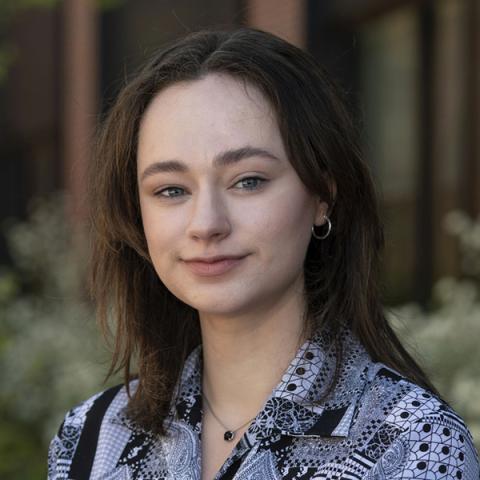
[154, 328]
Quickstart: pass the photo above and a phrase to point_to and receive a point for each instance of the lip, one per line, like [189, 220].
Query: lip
[215, 258]
[213, 266]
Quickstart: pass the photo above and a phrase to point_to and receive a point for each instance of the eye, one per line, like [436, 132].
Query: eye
[160, 193]
[252, 183]
[249, 183]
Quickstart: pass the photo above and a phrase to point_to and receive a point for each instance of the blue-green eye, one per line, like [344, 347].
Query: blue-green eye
[168, 189]
[249, 183]
[252, 183]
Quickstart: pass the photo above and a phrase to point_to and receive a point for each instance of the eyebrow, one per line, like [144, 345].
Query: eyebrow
[222, 159]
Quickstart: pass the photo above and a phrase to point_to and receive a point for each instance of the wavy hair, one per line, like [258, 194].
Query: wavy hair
[156, 331]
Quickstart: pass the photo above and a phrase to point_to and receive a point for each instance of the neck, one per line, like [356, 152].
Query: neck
[244, 358]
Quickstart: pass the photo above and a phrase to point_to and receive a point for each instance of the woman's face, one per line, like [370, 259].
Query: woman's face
[214, 180]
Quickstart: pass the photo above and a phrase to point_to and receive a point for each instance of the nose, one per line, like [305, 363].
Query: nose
[209, 217]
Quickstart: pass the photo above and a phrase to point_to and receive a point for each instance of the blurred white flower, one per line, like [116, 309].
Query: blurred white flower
[51, 357]
[449, 334]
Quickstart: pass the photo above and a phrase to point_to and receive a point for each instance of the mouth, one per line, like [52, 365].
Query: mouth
[214, 259]
[213, 266]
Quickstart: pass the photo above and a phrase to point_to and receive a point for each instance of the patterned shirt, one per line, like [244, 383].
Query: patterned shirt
[375, 424]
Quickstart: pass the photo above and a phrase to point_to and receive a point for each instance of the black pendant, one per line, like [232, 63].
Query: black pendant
[228, 436]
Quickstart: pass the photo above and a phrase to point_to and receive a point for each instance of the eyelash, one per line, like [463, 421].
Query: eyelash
[261, 180]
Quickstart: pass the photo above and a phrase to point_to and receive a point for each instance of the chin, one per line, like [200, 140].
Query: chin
[220, 308]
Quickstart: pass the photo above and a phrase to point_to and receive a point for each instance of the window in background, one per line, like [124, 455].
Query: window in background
[450, 139]
[390, 91]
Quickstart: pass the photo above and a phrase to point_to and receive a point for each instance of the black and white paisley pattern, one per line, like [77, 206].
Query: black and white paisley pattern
[374, 425]
[119, 473]
[64, 444]
[392, 461]
[258, 466]
[181, 452]
[283, 415]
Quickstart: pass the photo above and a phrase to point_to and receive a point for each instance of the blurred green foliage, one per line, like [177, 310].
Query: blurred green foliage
[51, 356]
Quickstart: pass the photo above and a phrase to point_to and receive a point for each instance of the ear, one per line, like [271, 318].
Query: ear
[321, 212]
[323, 208]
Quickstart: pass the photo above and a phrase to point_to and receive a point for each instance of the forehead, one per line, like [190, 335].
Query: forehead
[203, 117]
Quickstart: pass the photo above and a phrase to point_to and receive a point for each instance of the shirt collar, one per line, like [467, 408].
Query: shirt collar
[296, 406]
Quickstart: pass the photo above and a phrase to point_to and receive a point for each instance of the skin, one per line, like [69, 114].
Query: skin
[252, 316]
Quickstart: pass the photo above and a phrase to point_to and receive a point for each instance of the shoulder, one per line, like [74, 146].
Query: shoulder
[76, 439]
[419, 435]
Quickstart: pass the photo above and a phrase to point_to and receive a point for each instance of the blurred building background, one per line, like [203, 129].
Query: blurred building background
[412, 72]
[412, 69]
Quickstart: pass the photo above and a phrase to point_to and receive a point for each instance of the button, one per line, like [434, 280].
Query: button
[291, 387]
[309, 356]
[300, 371]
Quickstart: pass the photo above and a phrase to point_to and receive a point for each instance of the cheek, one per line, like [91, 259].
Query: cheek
[159, 232]
[162, 242]
[291, 217]
[282, 232]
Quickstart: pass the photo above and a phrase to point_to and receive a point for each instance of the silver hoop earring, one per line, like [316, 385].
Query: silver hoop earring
[325, 235]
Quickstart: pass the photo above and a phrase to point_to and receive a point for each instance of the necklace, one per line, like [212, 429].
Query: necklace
[229, 434]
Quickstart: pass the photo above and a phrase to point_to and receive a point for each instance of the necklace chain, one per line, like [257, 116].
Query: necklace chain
[229, 434]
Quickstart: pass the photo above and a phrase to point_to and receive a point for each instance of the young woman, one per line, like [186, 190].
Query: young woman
[236, 247]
